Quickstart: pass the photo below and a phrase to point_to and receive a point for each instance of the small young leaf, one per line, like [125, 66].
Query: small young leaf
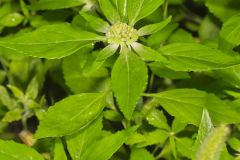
[32, 89]
[16, 92]
[213, 144]
[6, 99]
[109, 11]
[96, 23]
[128, 81]
[152, 28]
[71, 114]
[13, 115]
[10, 150]
[50, 41]
[11, 20]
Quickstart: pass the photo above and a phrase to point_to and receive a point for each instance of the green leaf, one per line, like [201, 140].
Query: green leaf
[121, 6]
[230, 32]
[157, 39]
[79, 142]
[162, 71]
[147, 53]
[16, 92]
[181, 35]
[13, 115]
[230, 76]
[11, 20]
[107, 52]
[197, 57]
[10, 150]
[74, 67]
[6, 99]
[208, 30]
[138, 9]
[152, 28]
[223, 9]
[184, 146]
[149, 138]
[141, 153]
[187, 105]
[59, 153]
[109, 11]
[55, 4]
[50, 41]
[60, 120]
[205, 127]
[213, 144]
[128, 81]
[104, 148]
[96, 23]
[157, 119]
[32, 89]
[234, 143]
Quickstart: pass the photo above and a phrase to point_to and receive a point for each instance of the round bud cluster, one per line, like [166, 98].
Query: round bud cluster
[122, 34]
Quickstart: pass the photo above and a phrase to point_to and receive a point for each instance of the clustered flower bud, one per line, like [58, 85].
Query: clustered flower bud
[122, 34]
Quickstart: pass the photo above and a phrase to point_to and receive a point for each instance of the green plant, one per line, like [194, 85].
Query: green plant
[123, 79]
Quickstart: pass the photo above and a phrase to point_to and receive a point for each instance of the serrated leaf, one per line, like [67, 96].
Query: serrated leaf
[10, 150]
[138, 9]
[50, 41]
[152, 28]
[197, 57]
[59, 152]
[104, 148]
[96, 23]
[147, 53]
[56, 4]
[187, 105]
[71, 114]
[109, 11]
[79, 142]
[128, 81]
[141, 153]
[230, 32]
[213, 144]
